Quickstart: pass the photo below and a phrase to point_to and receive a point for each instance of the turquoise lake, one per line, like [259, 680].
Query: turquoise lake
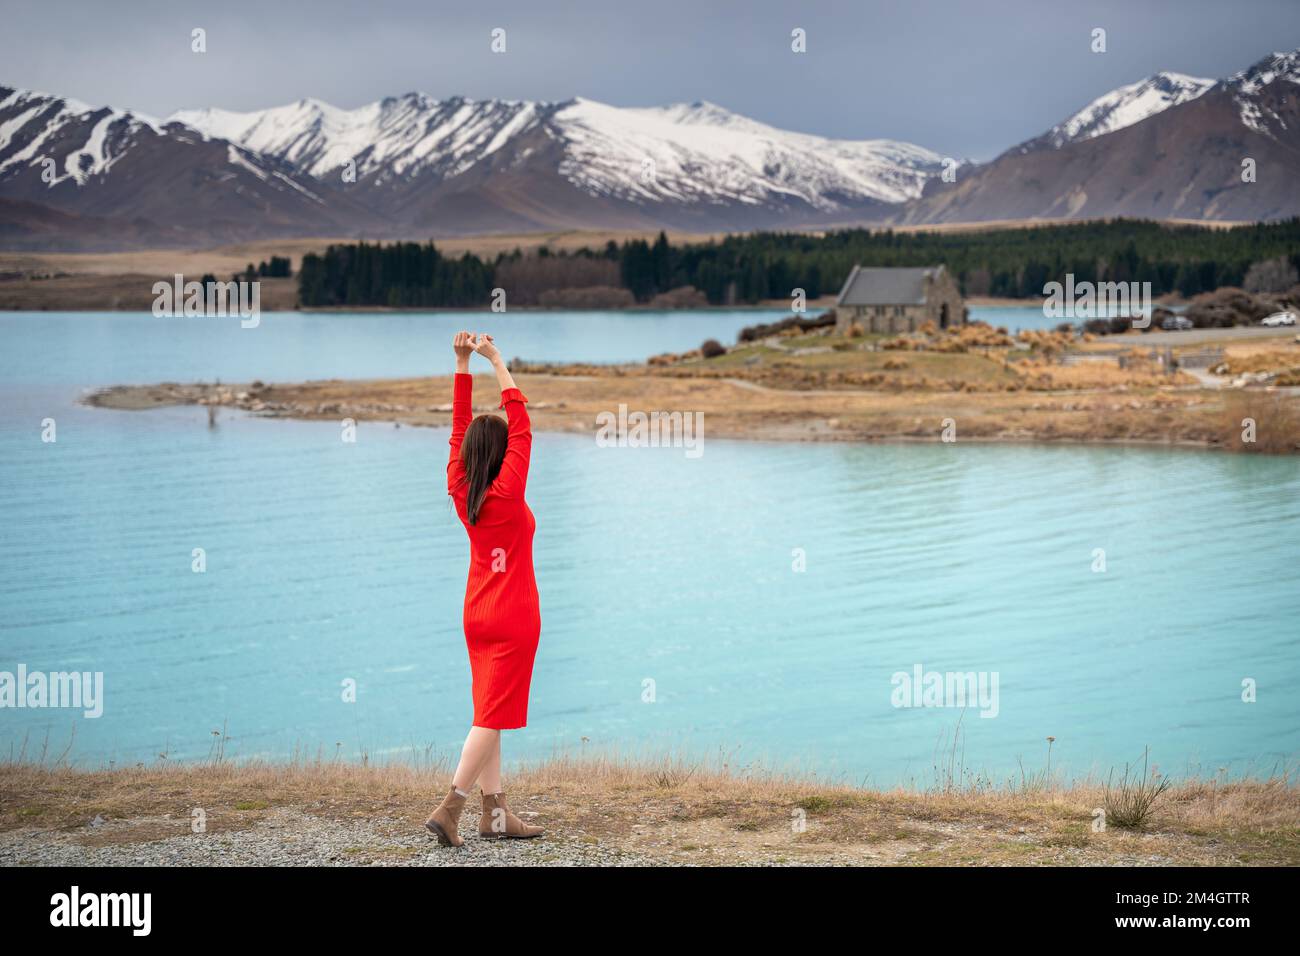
[329, 562]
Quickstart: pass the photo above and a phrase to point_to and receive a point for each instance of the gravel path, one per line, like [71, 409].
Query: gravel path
[287, 837]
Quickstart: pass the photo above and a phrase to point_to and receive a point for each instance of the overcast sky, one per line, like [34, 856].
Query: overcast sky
[966, 78]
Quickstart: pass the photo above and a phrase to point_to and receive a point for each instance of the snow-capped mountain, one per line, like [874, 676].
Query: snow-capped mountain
[1259, 92]
[703, 153]
[144, 180]
[684, 154]
[72, 175]
[1171, 147]
[102, 135]
[413, 165]
[397, 137]
[1122, 107]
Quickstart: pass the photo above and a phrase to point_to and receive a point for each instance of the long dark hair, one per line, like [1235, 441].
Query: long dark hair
[481, 452]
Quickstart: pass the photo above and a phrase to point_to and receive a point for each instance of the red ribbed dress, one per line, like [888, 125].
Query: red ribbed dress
[502, 618]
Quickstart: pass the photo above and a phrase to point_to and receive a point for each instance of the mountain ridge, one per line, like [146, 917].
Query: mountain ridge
[1230, 152]
[1167, 146]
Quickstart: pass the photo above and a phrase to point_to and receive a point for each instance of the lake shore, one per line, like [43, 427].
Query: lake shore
[133, 292]
[607, 812]
[788, 381]
[742, 409]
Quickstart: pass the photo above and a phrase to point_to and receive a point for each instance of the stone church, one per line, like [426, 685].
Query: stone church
[899, 300]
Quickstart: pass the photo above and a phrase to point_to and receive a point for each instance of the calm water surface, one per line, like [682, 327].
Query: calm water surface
[329, 562]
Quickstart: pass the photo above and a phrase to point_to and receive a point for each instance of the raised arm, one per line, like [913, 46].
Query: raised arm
[462, 405]
[513, 478]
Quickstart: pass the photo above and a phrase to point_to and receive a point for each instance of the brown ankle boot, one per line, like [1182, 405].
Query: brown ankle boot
[497, 821]
[444, 823]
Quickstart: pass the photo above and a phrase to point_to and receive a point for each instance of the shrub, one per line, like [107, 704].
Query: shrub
[1128, 804]
[560, 281]
[683, 297]
[1271, 275]
[712, 348]
[1277, 422]
[1228, 306]
[752, 333]
[1112, 326]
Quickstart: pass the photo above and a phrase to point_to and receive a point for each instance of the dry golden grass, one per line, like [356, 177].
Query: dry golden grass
[688, 811]
[222, 260]
[128, 291]
[1051, 376]
[1263, 356]
[838, 363]
[1275, 417]
[1283, 363]
[993, 225]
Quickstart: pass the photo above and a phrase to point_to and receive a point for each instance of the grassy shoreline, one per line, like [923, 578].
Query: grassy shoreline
[610, 810]
[782, 382]
[739, 408]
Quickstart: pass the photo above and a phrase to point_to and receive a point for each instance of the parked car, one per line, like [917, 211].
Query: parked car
[1278, 318]
[1176, 323]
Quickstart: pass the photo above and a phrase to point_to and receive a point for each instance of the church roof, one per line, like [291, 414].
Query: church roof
[886, 286]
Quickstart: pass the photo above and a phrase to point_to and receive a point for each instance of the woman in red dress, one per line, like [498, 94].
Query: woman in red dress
[486, 477]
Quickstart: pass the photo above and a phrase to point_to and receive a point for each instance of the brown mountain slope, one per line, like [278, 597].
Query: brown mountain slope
[1183, 163]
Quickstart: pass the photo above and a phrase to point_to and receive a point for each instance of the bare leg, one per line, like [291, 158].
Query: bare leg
[489, 778]
[480, 745]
